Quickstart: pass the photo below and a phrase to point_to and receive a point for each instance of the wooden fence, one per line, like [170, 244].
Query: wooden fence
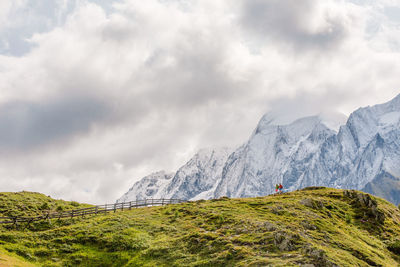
[101, 209]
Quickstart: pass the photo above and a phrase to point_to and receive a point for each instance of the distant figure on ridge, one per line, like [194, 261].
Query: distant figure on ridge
[280, 188]
[276, 188]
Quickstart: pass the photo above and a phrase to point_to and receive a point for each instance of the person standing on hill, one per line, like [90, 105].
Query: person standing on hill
[280, 188]
[276, 188]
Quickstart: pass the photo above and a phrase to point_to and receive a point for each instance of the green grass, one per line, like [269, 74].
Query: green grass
[319, 226]
[7, 259]
[31, 204]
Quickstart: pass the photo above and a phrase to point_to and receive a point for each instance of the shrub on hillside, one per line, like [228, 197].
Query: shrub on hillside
[74, 203]
[44, 206]
[128, 239]
[395, 247]
[348, 218]
[59, 208]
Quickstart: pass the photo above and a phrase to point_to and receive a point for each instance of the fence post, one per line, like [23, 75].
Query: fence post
[26, 226]
[130, 205]
[15, 222]
[115, 207]
[162, 202]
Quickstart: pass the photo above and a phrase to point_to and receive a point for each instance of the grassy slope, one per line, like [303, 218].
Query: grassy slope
[31, 204]
[11, 260]
[320, 226]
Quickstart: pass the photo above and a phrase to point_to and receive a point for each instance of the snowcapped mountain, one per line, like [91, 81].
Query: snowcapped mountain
[197, 179]
[363, 154]
[151, 186]
[274, 153]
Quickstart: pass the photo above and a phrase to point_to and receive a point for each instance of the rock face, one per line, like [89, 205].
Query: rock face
[362, 154]
[385, 185]
[197, 179]
[151, 186]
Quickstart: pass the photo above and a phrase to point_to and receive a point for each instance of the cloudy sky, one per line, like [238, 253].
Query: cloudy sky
[96, 94]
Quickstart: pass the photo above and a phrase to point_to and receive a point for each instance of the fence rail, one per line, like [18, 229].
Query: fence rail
[89, 211]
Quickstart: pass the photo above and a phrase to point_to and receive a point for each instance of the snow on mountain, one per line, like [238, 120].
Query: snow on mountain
[199, 175]
[195, 180]
[372, 139]
[151, 186]
[274, 154]
[332, 119]
[360, 153]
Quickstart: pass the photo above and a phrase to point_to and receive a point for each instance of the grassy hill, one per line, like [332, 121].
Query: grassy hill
[319, 226]
[31, 204]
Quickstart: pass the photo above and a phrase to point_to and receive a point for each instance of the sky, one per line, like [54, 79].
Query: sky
[95, 95]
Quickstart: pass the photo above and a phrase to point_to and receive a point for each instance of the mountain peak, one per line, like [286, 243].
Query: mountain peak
[390, 106]
[333, 119]
[395, 101]
[396, 98]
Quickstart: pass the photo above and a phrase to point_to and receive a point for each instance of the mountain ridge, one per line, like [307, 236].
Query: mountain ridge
[305, 152]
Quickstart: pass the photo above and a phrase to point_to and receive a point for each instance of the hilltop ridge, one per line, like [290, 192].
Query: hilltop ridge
[316, 226]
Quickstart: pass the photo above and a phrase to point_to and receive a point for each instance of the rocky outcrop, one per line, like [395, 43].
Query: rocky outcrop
[285, 241]
[312, 203]
[367, 204]
[318, 256]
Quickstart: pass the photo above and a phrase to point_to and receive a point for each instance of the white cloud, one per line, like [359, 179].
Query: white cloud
[107, 94]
